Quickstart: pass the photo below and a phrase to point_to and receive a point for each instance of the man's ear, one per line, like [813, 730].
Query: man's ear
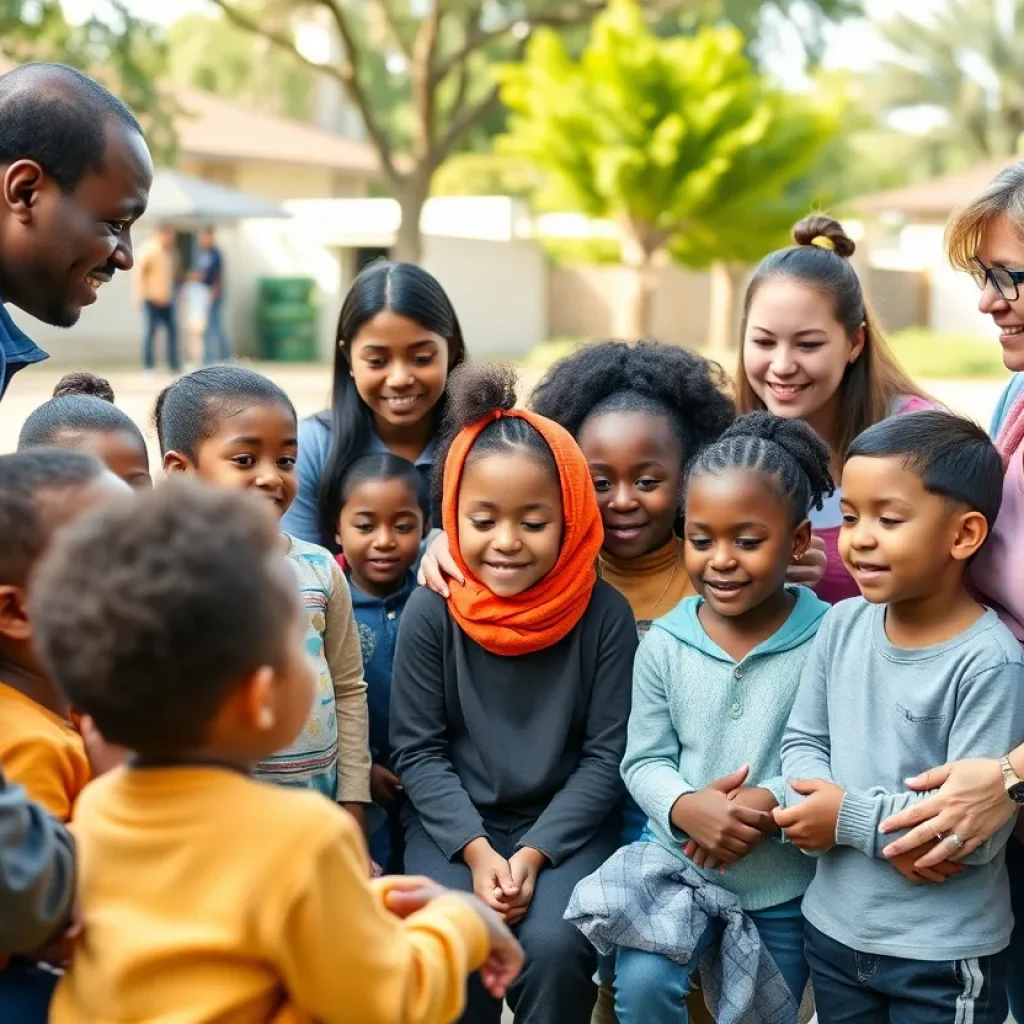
[23, 181]
[14, 622]
[177, 462]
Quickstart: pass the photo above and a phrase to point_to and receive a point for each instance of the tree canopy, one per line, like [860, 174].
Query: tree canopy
[680, 141]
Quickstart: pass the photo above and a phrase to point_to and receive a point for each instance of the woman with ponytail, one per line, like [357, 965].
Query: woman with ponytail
[813, 350]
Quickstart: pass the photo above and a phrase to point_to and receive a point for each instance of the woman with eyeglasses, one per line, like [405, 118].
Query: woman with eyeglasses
[978, 797]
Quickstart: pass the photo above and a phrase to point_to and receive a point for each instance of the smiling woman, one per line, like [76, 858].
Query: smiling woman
[398, 339]
[813, 351]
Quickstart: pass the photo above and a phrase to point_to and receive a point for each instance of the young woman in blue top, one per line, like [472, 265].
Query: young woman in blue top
[384, 514]
[398, 339]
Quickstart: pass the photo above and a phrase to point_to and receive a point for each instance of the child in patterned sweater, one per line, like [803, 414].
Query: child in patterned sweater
[232, 427]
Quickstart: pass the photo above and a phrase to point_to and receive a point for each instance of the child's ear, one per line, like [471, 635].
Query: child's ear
[259, 705]
[971, 533]
[801, 540]
[178, 462]
[14, 623]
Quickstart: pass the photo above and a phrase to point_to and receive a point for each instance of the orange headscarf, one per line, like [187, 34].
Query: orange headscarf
[548, 611]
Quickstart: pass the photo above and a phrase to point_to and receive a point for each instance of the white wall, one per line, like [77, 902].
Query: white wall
[499, 290]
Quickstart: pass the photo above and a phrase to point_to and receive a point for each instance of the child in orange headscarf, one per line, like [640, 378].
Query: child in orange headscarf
[509, 699]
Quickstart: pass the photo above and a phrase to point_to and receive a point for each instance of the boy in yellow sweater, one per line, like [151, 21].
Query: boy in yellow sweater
[41, 490]
[206, 895]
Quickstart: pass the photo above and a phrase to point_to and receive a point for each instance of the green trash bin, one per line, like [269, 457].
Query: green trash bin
[274, 291]
[288, 333]
[287, 319]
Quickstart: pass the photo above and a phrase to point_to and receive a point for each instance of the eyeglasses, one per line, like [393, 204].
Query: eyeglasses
[1006, 282]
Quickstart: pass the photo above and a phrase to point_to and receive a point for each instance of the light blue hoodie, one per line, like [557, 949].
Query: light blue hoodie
[698, 715]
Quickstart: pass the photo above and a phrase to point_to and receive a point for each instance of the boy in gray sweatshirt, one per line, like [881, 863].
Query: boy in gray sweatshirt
[914, 673]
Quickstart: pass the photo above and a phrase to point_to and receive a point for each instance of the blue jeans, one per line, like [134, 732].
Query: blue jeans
[216, 347]
[1015, 982]
[868, 988]
[160, 316]
[25, 993]
[652, 989]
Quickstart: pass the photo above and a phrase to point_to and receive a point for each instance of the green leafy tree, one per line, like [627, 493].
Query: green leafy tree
[419, 72]
[965, 62]
[679, 140]
[205, 52]
[127, 53]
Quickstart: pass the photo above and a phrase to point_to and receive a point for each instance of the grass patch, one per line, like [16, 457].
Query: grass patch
[936, 355]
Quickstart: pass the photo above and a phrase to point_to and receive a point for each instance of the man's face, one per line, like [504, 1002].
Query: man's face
[59, 248]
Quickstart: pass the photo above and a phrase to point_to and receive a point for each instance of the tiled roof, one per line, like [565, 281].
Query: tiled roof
[213, 128]
[936, 198]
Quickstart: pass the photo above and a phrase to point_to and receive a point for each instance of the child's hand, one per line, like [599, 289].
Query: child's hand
[904, 864]
[103, 756]
[408, 893]
[809, 570]
[437, 566]
[492, 877]
[758, 799]
[58, 952]
[754, 797]
[812, 824]
[722, 827]
[505, 960]
[385, 787]
[525, 865]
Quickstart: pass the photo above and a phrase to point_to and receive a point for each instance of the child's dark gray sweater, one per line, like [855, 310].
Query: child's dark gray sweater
[868, 716]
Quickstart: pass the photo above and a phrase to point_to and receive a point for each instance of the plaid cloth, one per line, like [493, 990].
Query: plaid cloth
[645, 898]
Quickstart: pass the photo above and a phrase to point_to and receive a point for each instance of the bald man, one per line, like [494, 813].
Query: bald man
[75, 174]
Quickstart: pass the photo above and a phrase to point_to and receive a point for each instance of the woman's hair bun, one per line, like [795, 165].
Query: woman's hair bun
[84, 383]
[817, 225]
[476, 390]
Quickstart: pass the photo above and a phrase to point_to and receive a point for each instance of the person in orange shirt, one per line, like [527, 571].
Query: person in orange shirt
[41, 490]
[205, 895]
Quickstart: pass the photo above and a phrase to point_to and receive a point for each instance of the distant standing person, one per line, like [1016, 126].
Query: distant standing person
[210, 267]
[156, 284]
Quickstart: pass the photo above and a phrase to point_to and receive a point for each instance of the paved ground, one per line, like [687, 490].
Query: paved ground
[309, 388]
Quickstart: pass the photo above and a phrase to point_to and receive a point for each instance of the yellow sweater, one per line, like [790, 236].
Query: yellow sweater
[210, 898]
[41, 752]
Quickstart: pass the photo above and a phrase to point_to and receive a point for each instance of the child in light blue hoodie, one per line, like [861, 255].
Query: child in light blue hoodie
[714, 682]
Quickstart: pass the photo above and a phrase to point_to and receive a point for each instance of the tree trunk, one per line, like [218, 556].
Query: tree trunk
[640, 312]
[725, 283]
[408, 245]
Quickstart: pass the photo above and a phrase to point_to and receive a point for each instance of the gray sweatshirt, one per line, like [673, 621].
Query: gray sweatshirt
[869, 715]
[37, 873]
[538, 737]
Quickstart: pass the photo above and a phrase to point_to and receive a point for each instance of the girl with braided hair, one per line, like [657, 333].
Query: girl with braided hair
[713, 685]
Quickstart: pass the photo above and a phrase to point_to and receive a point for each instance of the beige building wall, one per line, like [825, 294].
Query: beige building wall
[277, 182]
[593, 302]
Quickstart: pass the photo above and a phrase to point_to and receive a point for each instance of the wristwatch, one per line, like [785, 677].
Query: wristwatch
[1012, 781]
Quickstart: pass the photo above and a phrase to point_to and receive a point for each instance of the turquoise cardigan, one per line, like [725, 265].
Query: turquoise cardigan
[1006, 400]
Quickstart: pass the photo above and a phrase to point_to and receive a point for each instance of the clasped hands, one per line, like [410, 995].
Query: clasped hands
[507, 886]
[725, 820]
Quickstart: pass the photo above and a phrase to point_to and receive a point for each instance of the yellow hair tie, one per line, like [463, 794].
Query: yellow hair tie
[823, 242]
